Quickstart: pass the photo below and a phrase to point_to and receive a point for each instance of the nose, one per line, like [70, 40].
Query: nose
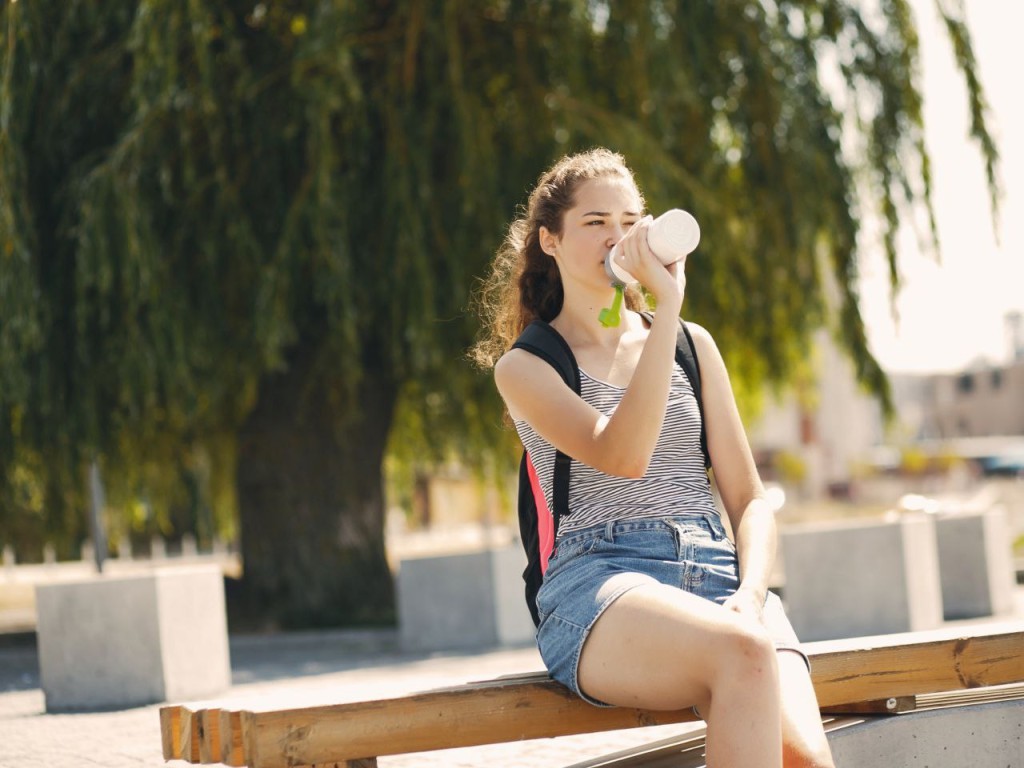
[615, 233]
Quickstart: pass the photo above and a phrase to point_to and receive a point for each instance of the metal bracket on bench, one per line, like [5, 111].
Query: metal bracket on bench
[894, 705]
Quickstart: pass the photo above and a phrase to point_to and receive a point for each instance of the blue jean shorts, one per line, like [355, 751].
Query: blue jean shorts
[591, 568]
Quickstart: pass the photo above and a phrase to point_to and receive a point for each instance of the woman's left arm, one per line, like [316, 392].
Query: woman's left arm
[752, 519]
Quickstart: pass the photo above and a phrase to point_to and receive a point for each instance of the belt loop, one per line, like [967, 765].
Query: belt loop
[609, 531]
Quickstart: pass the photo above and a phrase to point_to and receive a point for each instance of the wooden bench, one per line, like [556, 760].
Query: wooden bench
[861, 675]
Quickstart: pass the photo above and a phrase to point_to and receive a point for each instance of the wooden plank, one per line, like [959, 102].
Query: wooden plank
[501, 711]
[209, 735]
[250, 744]
[170, 732]
[462, 717]
[189, 731]
[679, 751]
[974, 696]
[231, 751]
[876, 669]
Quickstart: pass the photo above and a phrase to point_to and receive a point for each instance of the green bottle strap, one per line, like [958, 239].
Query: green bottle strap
[609, 316]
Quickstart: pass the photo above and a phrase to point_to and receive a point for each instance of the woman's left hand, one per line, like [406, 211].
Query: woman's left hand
[746, 601]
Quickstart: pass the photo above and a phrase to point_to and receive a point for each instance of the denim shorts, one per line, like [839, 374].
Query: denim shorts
[590, 568]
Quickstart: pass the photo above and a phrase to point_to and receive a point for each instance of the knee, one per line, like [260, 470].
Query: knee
[743, 662]
[742, 659]
[743, 655]
[749, 649]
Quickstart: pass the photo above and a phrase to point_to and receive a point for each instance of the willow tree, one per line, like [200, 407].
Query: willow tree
[256, 225]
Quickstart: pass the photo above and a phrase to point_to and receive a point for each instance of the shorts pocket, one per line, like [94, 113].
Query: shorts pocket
[645, 543]
[565, 557]
[574, 546]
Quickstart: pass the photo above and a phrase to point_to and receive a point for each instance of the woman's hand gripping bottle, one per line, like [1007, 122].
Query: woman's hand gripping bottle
[671, 236]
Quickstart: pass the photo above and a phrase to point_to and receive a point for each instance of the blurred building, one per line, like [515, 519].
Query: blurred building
[984, 400]
[814, 443]
[825, 441]
[979, 402]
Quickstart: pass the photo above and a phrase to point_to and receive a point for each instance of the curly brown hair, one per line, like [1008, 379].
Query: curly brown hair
[524, 283]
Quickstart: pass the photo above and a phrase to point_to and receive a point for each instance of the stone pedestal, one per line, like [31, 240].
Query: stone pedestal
[119, 641]
[856, 579]
[976, 563]
[471, 600]
[979, 735]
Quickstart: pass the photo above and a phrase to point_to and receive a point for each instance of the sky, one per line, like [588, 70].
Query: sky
[952, 314]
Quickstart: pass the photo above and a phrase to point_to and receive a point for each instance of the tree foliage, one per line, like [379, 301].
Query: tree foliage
[194, 197]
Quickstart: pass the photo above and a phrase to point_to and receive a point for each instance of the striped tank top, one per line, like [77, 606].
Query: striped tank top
[675, 482]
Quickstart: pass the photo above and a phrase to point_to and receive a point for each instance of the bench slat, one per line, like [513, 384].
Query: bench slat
[681, 751]
[170, 732]
[231, 750]
[209, 736]
[950, 664]
[189, 735]
[464, 717]
[974, 696]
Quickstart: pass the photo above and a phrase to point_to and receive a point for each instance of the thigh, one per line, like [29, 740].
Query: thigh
[656, 647]
[803, 736]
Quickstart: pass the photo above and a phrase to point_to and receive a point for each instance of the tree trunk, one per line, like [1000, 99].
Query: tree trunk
[311, 503]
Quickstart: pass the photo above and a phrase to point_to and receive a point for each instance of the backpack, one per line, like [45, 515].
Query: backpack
[538, 525]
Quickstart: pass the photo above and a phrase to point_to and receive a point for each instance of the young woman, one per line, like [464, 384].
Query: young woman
[646, 602]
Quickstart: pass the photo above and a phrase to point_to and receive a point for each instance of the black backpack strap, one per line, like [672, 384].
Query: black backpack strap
[686, 356]
[542, 340]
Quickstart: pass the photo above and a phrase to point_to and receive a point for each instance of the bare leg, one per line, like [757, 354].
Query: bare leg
[659, 647]
[803, 738]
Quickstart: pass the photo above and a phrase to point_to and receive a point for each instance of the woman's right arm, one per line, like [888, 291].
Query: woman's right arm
[621, 445]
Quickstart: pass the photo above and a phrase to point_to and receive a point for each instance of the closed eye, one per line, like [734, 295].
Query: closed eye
[600, 222]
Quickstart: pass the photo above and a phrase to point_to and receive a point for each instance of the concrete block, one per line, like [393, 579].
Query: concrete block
[984, 735]
[469, 600]
[514, 625]
[119, 641]
[852, 579]
[976, 563]
[157, 548]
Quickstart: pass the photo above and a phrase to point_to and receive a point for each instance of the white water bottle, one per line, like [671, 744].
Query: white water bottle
[671, 236]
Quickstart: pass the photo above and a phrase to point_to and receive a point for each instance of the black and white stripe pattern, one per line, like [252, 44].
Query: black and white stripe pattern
[675, 483]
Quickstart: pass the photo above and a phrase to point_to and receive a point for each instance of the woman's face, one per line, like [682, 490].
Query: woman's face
[605, 209]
